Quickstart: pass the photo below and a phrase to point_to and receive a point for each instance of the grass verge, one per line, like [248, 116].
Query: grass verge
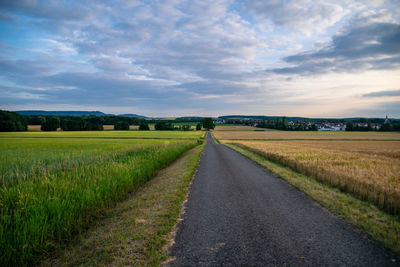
[134, 232]
[377, 224]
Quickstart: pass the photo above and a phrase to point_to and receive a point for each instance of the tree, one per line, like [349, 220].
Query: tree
[75, 124]
[12, 122]
[51, 124]
[143, 126]
[386, 127]
[349, 126]
[162, 126]
[121, 125]
[185, 127]
[198, 127]
[208, 123]
[314, 127]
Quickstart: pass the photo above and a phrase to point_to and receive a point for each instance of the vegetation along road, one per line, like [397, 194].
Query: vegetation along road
[240, 214]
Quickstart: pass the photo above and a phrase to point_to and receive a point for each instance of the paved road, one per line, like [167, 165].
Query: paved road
[240, 214]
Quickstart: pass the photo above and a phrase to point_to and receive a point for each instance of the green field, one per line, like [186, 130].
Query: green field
[53, 185]
[108, 134]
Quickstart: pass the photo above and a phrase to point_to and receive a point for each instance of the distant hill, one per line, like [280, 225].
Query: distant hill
[73, 113]
[61, 113]
[133, 115]
[192, 118]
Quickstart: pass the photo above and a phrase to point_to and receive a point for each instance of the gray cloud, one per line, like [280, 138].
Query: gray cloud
[298, 15]
[372, 46]
[55, 10]
[383, 93]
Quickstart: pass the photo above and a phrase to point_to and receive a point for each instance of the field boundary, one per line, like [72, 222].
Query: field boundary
[372, 221]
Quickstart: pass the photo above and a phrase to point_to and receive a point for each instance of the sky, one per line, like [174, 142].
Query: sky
[312, 58]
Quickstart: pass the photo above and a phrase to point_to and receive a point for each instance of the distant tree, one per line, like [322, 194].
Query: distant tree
[92, 123]
[76, 124]
[12, 122]
[386, 127]
[198, 127]
[349, 126]
[35, 119]
[314, 127]
[208, 123]
[162, 126]
[185, 127]
[143, 126]
[121, 125]
[51, 124]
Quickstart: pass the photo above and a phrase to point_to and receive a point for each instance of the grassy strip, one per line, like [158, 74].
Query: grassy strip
[38, 214]
[375, 223]
[135, 231]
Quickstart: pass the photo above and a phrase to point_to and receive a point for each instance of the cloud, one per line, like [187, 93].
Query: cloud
[206, 55]
[55, 10]
[383, 93]
[359, 48]
[304, 16]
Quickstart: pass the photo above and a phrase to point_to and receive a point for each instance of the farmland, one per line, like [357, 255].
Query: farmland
[107, 134]
[54, 185]
[287, 135]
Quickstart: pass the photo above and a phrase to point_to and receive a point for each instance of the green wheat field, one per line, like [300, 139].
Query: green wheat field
[54, 185]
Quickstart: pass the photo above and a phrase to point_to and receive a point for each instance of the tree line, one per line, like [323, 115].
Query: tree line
[12, 121]
[281, 124]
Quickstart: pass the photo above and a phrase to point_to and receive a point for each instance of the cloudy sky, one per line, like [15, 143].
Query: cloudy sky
[310, 58]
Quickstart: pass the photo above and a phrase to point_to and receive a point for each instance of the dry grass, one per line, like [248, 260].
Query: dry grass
[34, 128]
[279, 135]
[368, 169]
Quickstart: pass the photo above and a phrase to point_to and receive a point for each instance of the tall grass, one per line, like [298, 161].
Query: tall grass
[369, 170]
[66, 187]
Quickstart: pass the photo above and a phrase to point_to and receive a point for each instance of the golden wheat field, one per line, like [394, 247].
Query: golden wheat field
[252, 135]
[368, 169]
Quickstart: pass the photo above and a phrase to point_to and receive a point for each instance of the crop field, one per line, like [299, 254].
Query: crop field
[282, 135]
[54, 185]
[367, 169]
[108, 134]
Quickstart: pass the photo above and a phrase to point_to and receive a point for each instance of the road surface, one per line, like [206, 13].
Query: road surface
[238, 213]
